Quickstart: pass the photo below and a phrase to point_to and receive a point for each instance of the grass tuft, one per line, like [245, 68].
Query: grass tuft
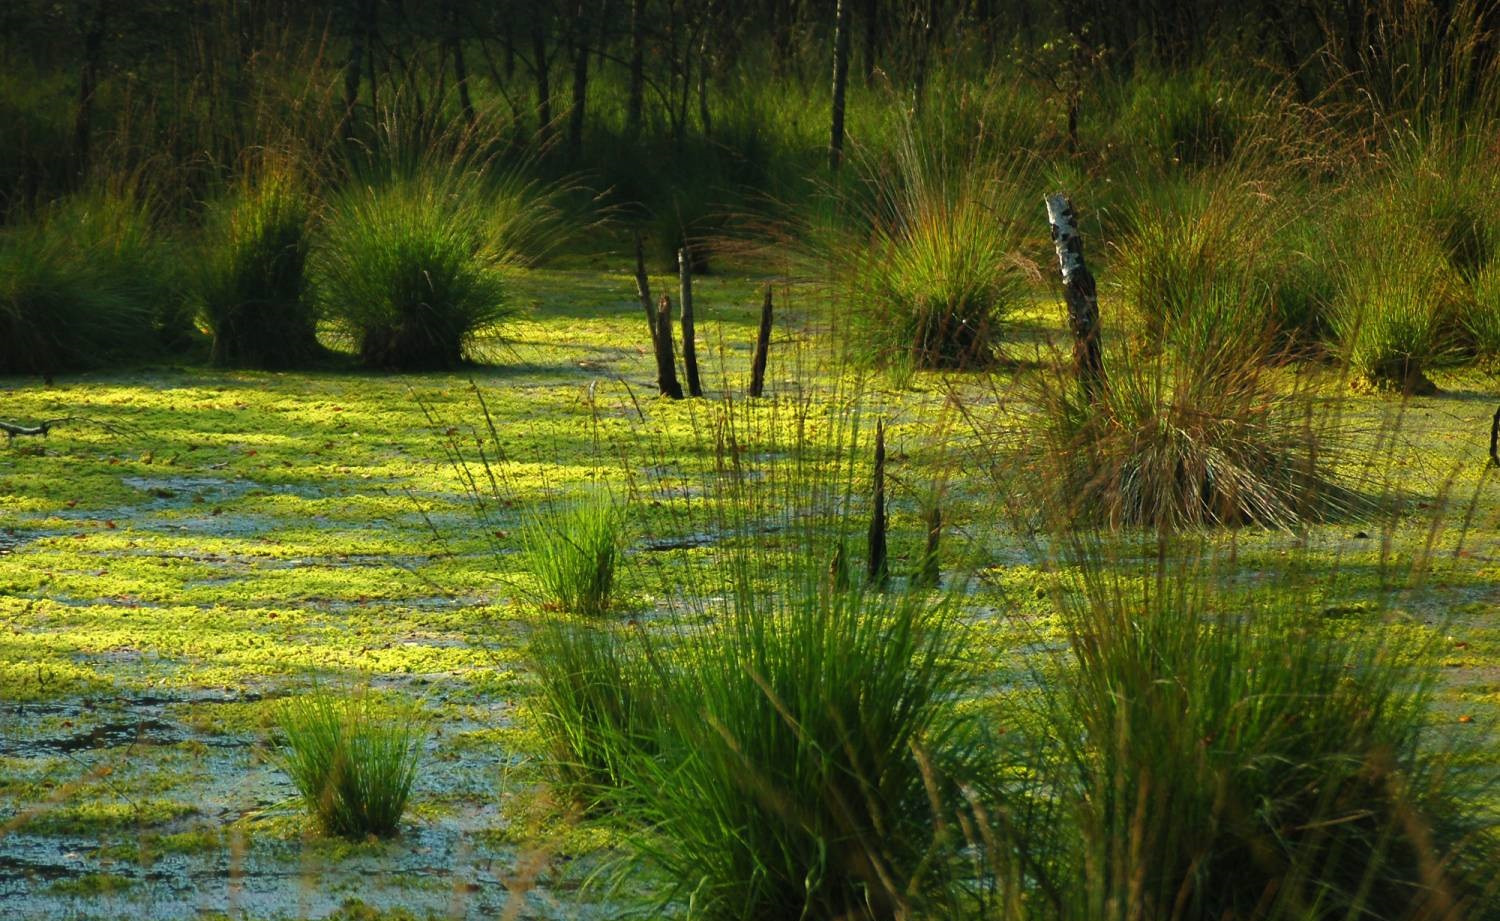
[1180, 442]
[1227, 756]
[572, 550]
[809, 742]
[254, 290]
[353, 759]
[411, 270]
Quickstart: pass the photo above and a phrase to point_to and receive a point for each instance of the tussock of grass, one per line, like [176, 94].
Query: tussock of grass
[934, 268]
[412, 272]
[810, 741]
[1224, 756]
[572, 551]
[353, 760]
[599, 707]
[1180, 442]
[84, 284]
[1397, 304]
[254, 291]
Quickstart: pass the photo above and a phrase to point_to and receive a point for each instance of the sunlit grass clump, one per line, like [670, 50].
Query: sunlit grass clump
[933, 270]
[1397, 308]
[254, 290]
[1228, 754]
[410, 268]
[811, 741]
[572, 550]
[1174, 442]
[352, 758]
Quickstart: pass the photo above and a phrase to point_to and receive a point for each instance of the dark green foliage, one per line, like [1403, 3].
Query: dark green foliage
[254, 290]
[85, 284]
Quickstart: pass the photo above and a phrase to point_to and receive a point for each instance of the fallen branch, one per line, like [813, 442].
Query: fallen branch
[14, 429]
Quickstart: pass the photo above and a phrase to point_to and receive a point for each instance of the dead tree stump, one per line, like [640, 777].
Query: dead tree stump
[762, 348]
[666, 361]
[1080, 294]
[1495, 440]
[689, 342]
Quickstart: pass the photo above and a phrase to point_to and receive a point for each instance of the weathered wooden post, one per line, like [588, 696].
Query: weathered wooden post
[666, 362]
[689, 342]
[1079, 293]
[878, 569]
[762, 347]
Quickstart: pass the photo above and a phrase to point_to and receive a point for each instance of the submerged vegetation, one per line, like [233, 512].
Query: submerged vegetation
[927, 625]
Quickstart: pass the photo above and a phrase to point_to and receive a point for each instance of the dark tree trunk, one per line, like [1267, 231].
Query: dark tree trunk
[930, 573]
[840, 80]
[872, 39]
[88, 83]
[643, 288]
[1495, 440]
[762, 348]
[689, 340]
[461, 69]
[635, 101]
[1079, 293]
[542, 68]
[878, 568]
[580, 82]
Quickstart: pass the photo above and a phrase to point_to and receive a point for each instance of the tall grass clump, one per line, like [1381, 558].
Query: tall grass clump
[1223, 753]
[572, 550]
[1189, 119]
[1396, 308]
[1176, 442]
[1197, 265]
[597, 708]
[85, 283]
[411, 270]
[353, 759]
[1482, 323]
[933, 269]
[254, 290]
[810, 742]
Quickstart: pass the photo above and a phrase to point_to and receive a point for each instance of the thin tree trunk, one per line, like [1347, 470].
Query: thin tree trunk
[580, 82]
[703, 44]
[930, 573]
[542, 67]
[762, 348]
[666, 361]
[635, 101]
[689, 340]
[1079, 293]
[88, 82]
[643, 287]
[840, 80]
[461, 70]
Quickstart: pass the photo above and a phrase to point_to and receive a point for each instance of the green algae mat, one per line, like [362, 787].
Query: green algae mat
[199, 544]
